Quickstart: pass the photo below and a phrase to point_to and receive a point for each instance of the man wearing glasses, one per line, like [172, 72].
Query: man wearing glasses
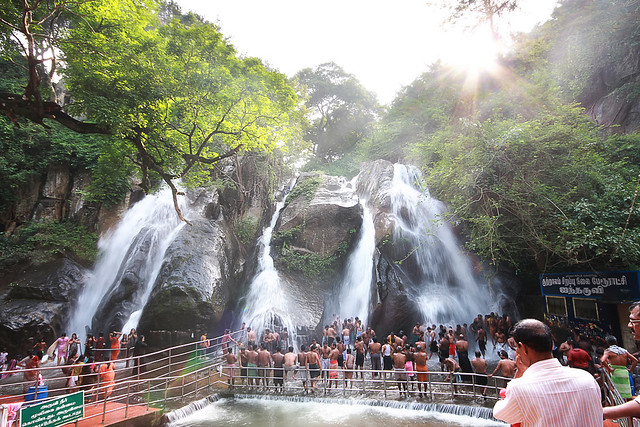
[545, 393]
[631, 408]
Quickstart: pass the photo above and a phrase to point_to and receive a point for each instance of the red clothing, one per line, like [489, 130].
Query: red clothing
[115, 346]
[578, 358]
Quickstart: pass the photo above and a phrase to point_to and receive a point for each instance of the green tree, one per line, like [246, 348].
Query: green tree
[174, 89]
[342, 111]
[540, 189]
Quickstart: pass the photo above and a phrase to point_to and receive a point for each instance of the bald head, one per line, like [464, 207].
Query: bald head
[534, 334]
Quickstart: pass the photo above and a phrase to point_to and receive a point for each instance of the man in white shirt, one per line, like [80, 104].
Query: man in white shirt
[631, 408]
[545, 393]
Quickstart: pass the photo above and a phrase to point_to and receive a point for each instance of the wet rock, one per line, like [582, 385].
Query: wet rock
[193, 286]
[323, 220]
[38, 304]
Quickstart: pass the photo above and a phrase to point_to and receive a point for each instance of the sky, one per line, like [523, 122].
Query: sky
[386, 45]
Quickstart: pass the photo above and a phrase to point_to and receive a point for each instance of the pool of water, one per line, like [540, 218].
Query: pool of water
[284, 413]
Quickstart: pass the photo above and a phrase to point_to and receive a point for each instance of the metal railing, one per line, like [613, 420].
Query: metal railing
[371, 383]
[612, 397]
[149, 380]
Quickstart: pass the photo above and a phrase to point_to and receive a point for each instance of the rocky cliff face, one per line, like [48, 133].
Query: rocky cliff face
[37, 304]
[314, 232]
[607, 103]
[200, 268]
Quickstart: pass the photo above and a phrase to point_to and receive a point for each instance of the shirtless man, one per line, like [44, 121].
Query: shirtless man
[349, 363]
[619, 362]
[482, 340]
[331, 335]
[278, 371]
[359, 358]
[452, 367]
[376, 361]
[480, 367]
[204, 344]
[231, 360]
[243, 363]
[333, 365]
[433, 342]
[313, 362]
[346, 336]
[399, 361]
[290, 364]
[303, 366]
[325, 351]
[264, 361]
[506, 366]
[267, 340]
[443, 350]
[420, 358]
[252, 363]
[501, 341]
[251, 337]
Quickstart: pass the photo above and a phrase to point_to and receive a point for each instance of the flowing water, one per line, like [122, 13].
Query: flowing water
[267, 304]
[355, 294]
[135, 248]
[444, 285]
[284, 412]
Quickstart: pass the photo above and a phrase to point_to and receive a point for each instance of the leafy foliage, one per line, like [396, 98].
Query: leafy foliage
[42, 241]
[305, 189]
[342, 110]
[246, 229]
[168, 84]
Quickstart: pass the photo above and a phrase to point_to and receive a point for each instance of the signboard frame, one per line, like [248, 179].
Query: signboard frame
[616, 286]
[53, 412]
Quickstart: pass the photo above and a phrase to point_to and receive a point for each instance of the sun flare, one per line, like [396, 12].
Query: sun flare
[477, 51]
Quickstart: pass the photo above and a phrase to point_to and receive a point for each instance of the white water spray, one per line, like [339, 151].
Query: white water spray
[145, 232]
[445, 288]
[355, 290]
[267, 304]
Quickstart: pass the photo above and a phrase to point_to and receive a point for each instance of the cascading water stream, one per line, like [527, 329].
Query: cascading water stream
[355, 290]
[267, 304]
[444, 285]
[134, 249]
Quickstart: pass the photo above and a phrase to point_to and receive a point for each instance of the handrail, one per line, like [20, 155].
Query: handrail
[186, 371]
[612, 396]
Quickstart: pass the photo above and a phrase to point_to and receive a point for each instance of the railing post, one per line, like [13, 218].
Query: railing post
[166, 387]
[170, 366]
[104, 406]
[384, 385]
[148, 392]
[126, 407]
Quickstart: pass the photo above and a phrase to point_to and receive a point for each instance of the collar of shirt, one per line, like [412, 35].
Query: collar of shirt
[541, 365]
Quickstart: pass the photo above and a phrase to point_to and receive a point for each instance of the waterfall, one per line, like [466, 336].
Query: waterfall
[355, 290]
[444, 285]
[267, 304]
[133, 252]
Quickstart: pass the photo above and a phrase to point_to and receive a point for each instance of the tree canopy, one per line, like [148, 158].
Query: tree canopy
[342, 110]
[168, 84]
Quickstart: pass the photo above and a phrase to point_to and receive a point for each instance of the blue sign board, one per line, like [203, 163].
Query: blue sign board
[616, 286]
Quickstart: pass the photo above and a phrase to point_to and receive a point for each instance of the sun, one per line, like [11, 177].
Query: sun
[471, 52]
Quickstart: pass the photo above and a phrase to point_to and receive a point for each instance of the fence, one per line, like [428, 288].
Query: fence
[382, 384]
[190, 371]
[145, 381]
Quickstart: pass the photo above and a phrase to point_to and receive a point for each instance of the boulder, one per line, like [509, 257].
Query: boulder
[321, 220]
[39, 304]
[193, 287]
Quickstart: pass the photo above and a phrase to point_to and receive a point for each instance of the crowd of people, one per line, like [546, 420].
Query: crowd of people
[345, 344]
[84, 369]
[533, 364]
